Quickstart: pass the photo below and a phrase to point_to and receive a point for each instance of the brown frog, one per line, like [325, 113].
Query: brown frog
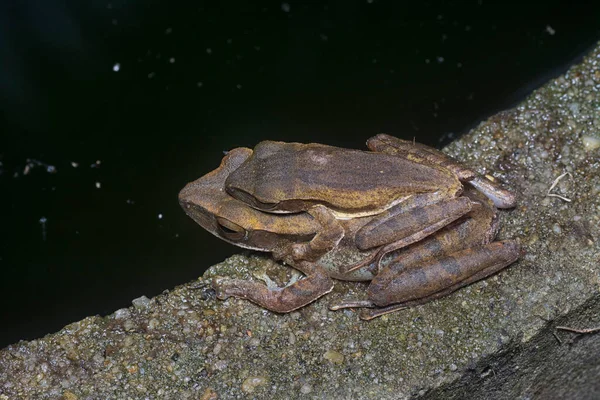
[334, 212]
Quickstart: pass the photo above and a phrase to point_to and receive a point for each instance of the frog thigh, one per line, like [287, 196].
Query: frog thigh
[419, 152]
[399, 226]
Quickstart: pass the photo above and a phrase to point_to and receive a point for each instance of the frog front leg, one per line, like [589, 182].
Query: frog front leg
[281, 300]
[418, 152]
[327, 237]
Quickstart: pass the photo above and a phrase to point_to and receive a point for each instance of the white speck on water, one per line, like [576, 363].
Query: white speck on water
[31, 164]
[285, 7]
[160, 216]
[369, 1]
[199, 84]
[172, 60]
[427, 61]
[168, 31]
[98, 185]
[238, 86]
[116, 67]
[151, 75]
[440, 59]
[74, 164]
[209, 51]
[42, 222]
[550, 30]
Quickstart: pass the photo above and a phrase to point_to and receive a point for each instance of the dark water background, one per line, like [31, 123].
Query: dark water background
[109, 108]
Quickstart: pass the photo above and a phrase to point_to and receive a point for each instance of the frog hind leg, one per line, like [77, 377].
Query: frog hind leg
[421, 153]
[281, 300]
[387, 144]
[439, 277]
[474, 231]
[412, 221]
[408, 223]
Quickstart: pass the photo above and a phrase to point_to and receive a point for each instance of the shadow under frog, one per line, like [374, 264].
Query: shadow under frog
[398, 216]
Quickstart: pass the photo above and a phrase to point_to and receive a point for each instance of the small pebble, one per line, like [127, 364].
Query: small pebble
[252, 383]
[334, 356]
[305, 389]
[590, 142]
[129, 325]
[153, 323]
[122, 313]
[141, 302]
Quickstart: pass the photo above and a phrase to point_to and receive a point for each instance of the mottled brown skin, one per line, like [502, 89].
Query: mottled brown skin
[455, 256]
[412, 190]
[342, 228]
[293, 177]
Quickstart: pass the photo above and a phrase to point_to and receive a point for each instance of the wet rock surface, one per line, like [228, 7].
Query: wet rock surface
[493, 339]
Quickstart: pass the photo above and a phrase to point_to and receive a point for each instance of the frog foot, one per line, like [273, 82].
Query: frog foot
[282, 300]
[219, 284]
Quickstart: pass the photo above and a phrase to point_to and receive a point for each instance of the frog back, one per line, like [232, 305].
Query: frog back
[292, 177]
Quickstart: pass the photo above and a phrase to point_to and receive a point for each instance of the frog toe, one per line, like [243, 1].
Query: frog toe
[223, 287]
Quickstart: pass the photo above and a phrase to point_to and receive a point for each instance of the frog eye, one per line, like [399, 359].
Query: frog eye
[230, 230]
[251, 200]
